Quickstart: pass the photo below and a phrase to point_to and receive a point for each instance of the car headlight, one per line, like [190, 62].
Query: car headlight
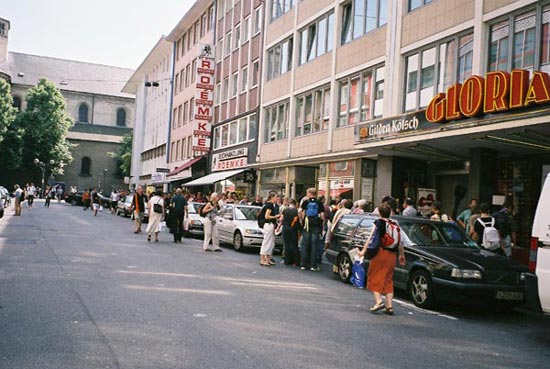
[195, 222]
[466, 273]
[252, 231]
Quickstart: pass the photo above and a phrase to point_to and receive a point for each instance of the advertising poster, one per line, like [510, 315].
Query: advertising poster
[426, 197]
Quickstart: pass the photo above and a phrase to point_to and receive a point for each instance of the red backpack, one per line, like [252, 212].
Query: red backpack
[392, 237]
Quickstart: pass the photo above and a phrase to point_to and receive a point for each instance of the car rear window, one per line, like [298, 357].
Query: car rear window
[346, 225]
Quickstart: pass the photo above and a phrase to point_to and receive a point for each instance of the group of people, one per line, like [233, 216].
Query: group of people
[29, 192]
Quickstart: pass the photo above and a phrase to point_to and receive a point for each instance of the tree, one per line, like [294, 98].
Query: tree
[124, 155]
[46, 125]
[10, 133]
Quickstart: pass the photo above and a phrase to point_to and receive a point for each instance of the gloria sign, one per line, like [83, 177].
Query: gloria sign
[204, 101]
[498, 92]
[392, 126]
[233, 159]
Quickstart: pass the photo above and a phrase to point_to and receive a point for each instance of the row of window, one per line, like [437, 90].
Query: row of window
[185, 77]
[231, 86]
[181, 149]
[239, 35]
[195, 33]
[183, 113]
[153, 153]
[235, 132]
[84, 115]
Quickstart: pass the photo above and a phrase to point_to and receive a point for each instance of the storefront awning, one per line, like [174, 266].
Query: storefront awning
[214, 177]
[184, 166]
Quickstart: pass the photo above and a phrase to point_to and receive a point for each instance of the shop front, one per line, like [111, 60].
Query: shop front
[188, 171]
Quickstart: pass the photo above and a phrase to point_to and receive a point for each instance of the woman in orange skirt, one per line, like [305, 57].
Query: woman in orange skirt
[382, 266]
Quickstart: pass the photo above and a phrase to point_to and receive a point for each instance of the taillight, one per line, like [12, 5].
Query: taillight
[534, 245]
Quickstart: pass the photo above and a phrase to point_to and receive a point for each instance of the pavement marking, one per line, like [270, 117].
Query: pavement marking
[267, 285]
[429, 312]
[159, 273]
[199, 315]
[184, 290]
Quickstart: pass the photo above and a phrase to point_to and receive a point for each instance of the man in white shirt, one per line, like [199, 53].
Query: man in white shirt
[31, 190]
[114, 201]
[409, 210]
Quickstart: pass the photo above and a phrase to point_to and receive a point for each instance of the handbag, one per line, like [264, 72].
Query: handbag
[357, 278]
[373, 245]
[157, 208]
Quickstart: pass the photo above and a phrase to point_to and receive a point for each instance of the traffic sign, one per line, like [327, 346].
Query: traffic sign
[163, 170]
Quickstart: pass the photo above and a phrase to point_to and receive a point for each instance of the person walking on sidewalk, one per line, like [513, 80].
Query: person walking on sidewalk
[19, 195]
[210, 212]
[312, 213]
[31, 191]
[96, 203]
[138, 207]
[178, 213]
[156, 215]
[47, 196]
[268, 221]
[114, 201]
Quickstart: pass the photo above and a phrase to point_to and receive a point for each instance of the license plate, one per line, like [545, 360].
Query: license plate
[509, 295]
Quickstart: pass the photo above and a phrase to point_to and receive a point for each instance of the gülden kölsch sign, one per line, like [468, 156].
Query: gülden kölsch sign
[204, 101]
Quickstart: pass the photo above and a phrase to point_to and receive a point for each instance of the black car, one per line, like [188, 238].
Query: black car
[442, 262]
[74, 198]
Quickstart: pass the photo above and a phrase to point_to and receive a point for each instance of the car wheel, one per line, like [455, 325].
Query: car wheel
[421, 289]
[238, 241]
[73, 202]
[344, 267]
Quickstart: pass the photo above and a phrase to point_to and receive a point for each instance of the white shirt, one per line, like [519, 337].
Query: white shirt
[114, 196]
[31, 190]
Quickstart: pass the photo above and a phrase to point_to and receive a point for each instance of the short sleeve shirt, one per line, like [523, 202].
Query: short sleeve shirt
[179, 203]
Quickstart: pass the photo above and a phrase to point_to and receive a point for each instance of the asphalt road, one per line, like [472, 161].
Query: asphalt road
[78, 291]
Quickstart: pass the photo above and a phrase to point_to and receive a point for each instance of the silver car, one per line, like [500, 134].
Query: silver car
[195, 220]
[238, 225]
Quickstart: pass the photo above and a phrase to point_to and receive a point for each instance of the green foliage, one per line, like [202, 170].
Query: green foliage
[10, 133]
[124, 155]
[45, 126]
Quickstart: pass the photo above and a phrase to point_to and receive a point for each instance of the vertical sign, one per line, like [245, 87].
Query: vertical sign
[204, 101]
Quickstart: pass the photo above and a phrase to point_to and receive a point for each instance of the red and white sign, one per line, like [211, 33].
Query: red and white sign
[233, 159]
[204, 101]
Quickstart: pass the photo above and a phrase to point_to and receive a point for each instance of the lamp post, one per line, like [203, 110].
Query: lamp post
[42, 166]
[105, 177]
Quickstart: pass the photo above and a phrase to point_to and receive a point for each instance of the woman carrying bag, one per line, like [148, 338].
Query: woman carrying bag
[385, 241]
[156, 214]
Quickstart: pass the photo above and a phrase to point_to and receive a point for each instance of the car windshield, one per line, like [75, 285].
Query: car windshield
[194, 208]
[437, 234]
[128, 199]
[246, 213]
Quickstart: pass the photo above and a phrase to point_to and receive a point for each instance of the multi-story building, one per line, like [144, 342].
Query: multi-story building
[366, 98]
[101, 112]
[191, 120]
[238, 49]
[151, 84]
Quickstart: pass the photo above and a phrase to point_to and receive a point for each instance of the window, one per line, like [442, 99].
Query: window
[414, 4]
[210, 17]
[173, 145]
[360, 97]
[280, 7]
[225, 89]
[179, 116]
[16, 103]
[246, 30]
[235, 132]
[257, 20]
[203, 24]
[185, 111]
[279, 59]
[187, 74]
[196, 33]
[256, 72]
[83, 113]
[237, 38]
[194, 71]
[86, 166]
[177, 153]
[227, 43]
[312, 111]
[183, 47]
[235, 84]
[174, 120]
[362, 16]
[219, 49]
[315, 39]
[184, 148]
[221, 8]
[121, 117]
[189, 146]
[276, 122]
[217, 93]
[176, 82]
[244, 79]
[191, 109]
[435, 68]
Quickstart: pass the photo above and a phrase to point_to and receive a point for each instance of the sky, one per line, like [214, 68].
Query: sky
[112, 32]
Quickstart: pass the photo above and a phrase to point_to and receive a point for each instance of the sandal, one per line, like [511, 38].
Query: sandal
[389, 310]
[377, 307]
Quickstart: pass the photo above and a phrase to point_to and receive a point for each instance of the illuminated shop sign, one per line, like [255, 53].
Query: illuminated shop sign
[204, 101]
[233, 159]
[498, 92]
[389, 127]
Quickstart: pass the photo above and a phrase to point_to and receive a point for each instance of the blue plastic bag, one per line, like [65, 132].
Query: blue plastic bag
[357, 278]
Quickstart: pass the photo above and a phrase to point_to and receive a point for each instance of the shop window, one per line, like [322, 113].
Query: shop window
[279, 59]
[276, 122]
[361, 96]
[312, 111]
[435, 68]
[362, 16]
[315, 39]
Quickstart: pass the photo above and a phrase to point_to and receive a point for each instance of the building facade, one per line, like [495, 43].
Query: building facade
[366, 98]
[151, 84]
[101, 112]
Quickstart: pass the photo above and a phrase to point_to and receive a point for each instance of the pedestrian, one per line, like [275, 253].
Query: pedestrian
[484, 226]
[244, 201]
[291, 226]
[96, 201]
[257, 201]
[178, 213]
[382, 266]
[438, 214]
[31, 191]
[504, 224]
[59, 193]
[19, 195]
[200, 198]
[312, 213]
[138, 207]
[48, 196]
[85, 199]
[156, 215]
[113, 201]
[267, 220]
[463, 218]
[409, 210]
[210, 212]
[344, 208]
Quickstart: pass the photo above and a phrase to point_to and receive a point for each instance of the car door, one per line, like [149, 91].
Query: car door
[224, 220]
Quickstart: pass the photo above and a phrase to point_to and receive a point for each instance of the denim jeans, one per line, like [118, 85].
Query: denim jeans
[310, 247]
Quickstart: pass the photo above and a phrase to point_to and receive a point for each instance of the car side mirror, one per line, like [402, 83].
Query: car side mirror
[228, 216]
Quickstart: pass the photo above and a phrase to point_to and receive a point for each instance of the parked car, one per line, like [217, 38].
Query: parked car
[75, 199]
[124, 206]
[442, 262]
[4, 195]
[238, 226]
[195, 220]
[540, 245]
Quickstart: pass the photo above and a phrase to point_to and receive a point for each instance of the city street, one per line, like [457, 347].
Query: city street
[78, 291]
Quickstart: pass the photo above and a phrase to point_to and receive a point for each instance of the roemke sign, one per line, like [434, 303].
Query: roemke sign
[497, 92]
[204, 101]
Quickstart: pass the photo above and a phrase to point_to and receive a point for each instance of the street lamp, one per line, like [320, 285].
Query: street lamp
[42, 166]
[104, 177]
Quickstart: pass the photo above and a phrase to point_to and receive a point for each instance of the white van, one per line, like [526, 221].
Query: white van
[540, 246]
